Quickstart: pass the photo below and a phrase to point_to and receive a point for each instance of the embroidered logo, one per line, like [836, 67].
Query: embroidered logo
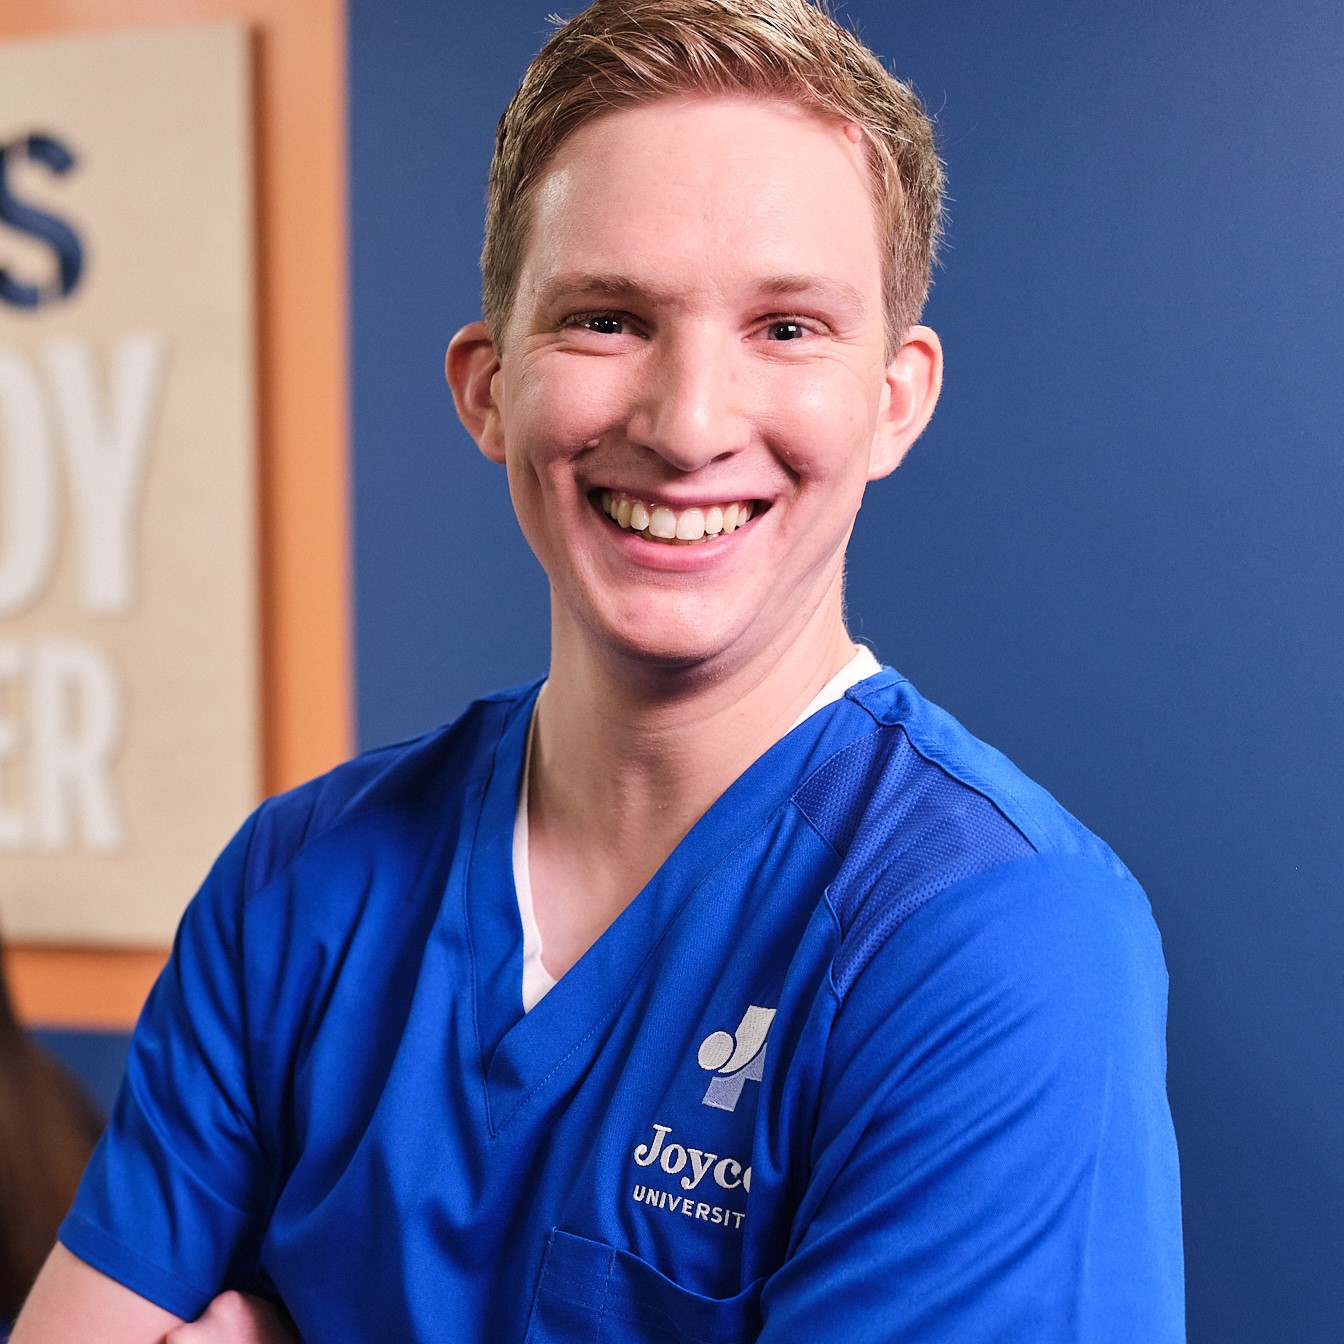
[735, 1060]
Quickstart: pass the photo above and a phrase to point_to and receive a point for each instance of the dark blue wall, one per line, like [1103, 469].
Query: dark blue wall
[96, 1058]
[1118, 553]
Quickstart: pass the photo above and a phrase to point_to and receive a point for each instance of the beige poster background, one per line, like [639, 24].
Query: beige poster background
[128, 625]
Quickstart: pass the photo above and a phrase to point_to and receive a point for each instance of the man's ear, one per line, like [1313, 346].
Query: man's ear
[470, 366]
[914, 379]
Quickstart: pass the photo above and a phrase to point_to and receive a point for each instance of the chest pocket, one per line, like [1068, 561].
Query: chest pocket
[599, 1295]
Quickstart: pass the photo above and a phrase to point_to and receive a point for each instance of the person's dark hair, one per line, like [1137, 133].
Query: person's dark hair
[47, 1130]
[623, 53]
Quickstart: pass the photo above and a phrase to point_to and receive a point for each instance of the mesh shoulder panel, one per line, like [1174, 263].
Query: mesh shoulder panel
[905, 829]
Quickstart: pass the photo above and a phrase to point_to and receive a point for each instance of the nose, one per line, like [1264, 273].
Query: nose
[691, 408]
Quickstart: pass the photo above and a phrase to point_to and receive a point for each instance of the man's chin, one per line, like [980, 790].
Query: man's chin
[671, 651]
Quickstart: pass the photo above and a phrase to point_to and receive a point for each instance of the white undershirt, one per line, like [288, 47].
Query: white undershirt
[537, 980]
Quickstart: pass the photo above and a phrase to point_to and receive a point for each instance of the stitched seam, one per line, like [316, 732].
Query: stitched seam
[471, 961]
[104, 1240]
[503, 700]
[815, 829]
[968, 777]
[672, 920]
[606, 1292]
[634, 975]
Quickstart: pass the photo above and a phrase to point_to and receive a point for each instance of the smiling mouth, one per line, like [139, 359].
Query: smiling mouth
[676, 527]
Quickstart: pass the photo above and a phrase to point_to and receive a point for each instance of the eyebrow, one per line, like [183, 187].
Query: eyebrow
[615, 286]
[566, 287]
[838, 292]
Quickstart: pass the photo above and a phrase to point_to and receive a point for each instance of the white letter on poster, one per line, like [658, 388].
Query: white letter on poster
[72, 752]
[28, 497]
[13, 830]
[107, 455]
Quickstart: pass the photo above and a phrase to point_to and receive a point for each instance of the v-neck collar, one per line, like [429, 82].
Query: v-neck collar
[537, 982]
[520, 1052]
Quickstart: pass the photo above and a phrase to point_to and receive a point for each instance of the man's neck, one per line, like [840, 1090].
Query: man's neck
[624, 765]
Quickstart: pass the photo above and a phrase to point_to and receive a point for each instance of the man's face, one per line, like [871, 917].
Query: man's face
[697, 342]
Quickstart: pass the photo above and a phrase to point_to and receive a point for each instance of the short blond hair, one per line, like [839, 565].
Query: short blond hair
[623, 53]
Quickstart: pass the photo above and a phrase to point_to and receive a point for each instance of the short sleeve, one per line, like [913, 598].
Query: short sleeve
[173, 1201]
[994, 1157]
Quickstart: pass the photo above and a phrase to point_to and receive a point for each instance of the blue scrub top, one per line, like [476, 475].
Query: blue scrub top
[877, 1054]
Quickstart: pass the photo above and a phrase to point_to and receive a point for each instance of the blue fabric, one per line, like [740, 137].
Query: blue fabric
[878, 1054]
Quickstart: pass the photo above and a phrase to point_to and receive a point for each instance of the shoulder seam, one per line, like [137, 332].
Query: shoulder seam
[975, 785]
[872, 952]
[311, 837]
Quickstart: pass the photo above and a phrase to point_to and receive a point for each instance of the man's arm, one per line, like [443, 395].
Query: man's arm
[183, 1148]
[72, 1301]
[993, 1156]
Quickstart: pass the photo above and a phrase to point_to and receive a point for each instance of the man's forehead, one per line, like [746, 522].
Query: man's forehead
[702, 154]
[625, 121]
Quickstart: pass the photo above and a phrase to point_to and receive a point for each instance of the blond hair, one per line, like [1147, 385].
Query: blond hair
[622, 53]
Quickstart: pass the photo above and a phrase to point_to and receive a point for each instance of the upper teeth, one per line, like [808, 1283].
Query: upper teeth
[661, 523]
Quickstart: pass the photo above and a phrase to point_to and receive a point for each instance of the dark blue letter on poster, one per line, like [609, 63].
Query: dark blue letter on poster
[54, 232]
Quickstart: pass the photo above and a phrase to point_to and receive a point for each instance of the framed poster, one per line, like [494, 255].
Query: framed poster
[129, 705]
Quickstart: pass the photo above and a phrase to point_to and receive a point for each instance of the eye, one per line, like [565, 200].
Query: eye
[603, 324]
[785, 329]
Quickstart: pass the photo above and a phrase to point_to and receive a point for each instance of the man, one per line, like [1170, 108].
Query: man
[722, 987]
